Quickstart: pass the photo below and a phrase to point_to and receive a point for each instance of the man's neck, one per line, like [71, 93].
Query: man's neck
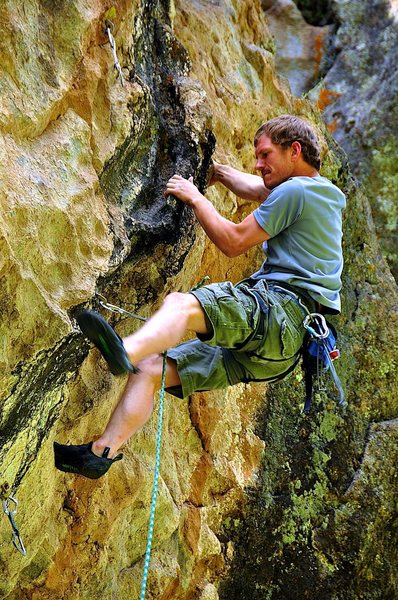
[303, 169]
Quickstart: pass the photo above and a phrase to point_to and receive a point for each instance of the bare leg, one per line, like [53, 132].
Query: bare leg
[136, 403]
[178, 314]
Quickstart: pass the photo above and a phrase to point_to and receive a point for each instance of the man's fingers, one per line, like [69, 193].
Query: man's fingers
[177, 186]
[170, 187]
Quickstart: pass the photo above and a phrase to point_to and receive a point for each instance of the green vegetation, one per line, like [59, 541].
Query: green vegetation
[383, 187]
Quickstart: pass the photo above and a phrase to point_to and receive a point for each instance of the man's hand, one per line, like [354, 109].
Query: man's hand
[183, 189]
[213, 173]
[231, 238]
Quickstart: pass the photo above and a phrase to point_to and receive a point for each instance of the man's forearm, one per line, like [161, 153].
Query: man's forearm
[231, 238]
[244, 185]
[221, 231]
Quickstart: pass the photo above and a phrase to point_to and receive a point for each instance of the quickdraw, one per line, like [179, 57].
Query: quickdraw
[117, 309]
[108, 30]
[11, 512]
[319, 352]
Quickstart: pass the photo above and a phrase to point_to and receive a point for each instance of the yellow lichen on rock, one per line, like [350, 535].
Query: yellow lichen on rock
[229, 45]
[55, 244]
[83, 160]
[56, 241]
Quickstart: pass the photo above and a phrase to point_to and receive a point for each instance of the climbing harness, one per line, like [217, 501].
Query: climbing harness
[11, 512]
[108, 30]
[319, 352]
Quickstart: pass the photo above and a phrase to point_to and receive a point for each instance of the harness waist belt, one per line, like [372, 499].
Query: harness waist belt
[300, 296]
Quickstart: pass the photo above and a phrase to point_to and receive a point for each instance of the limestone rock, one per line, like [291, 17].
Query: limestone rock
[299, 46]
[358, 97]
[247, 484]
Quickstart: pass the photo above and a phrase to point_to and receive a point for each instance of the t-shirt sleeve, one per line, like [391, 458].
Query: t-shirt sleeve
[282, 207]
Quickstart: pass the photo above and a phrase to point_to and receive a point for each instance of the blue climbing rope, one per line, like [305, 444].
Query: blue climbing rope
[120, 310]
[155, 482]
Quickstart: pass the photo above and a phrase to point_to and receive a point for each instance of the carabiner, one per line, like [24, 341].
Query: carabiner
[16, 536]
[117, 309]
[320, 321]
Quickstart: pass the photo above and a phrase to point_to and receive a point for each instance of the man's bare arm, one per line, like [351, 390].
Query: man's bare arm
[231, 238]
[244, 185]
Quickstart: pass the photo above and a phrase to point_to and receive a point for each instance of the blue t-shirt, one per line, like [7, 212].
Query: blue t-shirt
[303, 216]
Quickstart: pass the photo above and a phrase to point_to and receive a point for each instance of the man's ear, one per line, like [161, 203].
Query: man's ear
[296, 150]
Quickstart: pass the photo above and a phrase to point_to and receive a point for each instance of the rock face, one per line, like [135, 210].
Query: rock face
[254, 500]
[299, 46]
[359, 98]
[362, 81]
[346, 65]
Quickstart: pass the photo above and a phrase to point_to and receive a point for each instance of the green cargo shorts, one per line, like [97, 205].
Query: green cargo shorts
[255, 334]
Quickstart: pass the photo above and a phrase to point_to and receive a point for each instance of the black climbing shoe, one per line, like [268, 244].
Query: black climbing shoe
[82, 460]
[101, 334]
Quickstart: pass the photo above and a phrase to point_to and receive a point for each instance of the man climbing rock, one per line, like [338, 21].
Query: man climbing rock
[251, 331]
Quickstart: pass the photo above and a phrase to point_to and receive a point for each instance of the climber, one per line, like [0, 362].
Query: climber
[251, 331]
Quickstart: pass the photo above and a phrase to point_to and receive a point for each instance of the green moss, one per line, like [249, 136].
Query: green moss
[269, 44]
[329, 426]
[110, 13]
[383, 185]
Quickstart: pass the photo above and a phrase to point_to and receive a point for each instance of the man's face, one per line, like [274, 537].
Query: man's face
[273, 162]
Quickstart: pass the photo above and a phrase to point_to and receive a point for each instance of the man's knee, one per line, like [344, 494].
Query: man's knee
[151, 368]
[188, 308]
[178, 300]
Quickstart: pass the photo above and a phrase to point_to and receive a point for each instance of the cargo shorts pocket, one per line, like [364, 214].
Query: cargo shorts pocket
[231, 313]
[291, 339]
[284, 336]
